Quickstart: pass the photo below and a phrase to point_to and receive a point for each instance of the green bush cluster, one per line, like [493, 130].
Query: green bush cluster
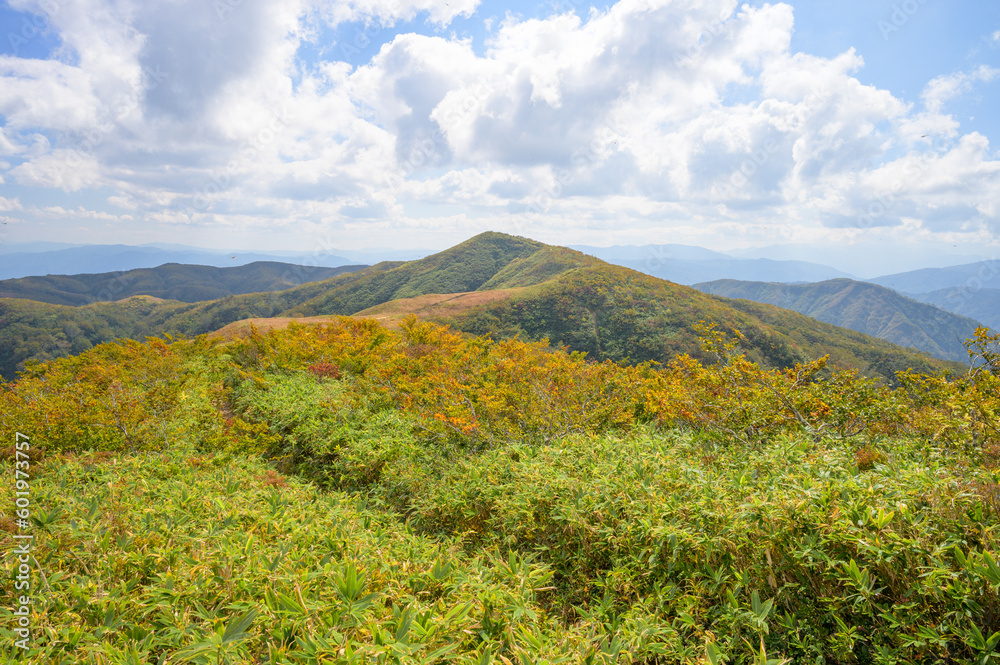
[287, 498]
[192, 558]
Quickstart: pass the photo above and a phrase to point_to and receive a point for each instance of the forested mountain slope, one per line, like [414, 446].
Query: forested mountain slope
[867, 308]
[977, 302]
[550, 292]
[171, 281]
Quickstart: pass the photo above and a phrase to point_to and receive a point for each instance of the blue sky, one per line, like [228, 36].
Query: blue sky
[313, 125]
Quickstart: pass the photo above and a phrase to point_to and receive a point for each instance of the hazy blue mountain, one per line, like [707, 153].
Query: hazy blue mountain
[980, 304]
[373, 255]
[32, 247]
[864, 307]
[685, 264]
[652, 253]
[869, 259]
[971, 276]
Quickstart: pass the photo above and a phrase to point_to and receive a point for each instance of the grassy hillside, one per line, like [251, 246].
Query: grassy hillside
[35, 331]
[465, 267]
[348, 493]
[619, 314]
[867, 308]
[536, 291]
[172, 281]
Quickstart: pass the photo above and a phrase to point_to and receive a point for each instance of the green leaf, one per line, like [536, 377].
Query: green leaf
[236, 630]
[991, 571]
[715, 656]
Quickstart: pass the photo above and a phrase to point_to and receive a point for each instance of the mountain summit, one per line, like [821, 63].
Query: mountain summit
[525, 288]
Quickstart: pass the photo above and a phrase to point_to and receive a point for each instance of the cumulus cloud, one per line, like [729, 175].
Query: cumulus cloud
[68, 170]
[49, 94]
[944, 88]
[683, 114]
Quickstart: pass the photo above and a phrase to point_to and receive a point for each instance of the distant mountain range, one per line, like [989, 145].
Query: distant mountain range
[971, 289]
[864, 260]
[36, 259]
[981, 304]
[970, 276]
[685, 264]
[171, 281]
[868, 308]
[492, 284]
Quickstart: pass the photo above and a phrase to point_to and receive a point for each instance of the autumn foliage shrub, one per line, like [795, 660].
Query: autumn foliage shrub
[963, 413]
[866, 458]
[466, 390]
[324, 370]
[475, 391]
[116, 396]
[701, 509]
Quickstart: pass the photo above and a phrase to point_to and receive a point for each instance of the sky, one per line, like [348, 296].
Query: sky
[854, 126]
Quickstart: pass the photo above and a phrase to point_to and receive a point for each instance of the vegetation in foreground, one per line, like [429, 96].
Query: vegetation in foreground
[345, 493]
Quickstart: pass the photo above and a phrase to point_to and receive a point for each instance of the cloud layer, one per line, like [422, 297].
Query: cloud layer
[679, 121]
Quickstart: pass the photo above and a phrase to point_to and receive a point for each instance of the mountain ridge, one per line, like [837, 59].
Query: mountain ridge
[688, 264]
[170, 281]
[976, 275]
[982, 304]
[864, 307]
[563, 295]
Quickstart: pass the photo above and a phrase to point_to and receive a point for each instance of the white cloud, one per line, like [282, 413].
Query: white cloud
[46, 93]
[944, 88]
[389, 12]
[69, 170]
[651, 114]
[8, 146]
